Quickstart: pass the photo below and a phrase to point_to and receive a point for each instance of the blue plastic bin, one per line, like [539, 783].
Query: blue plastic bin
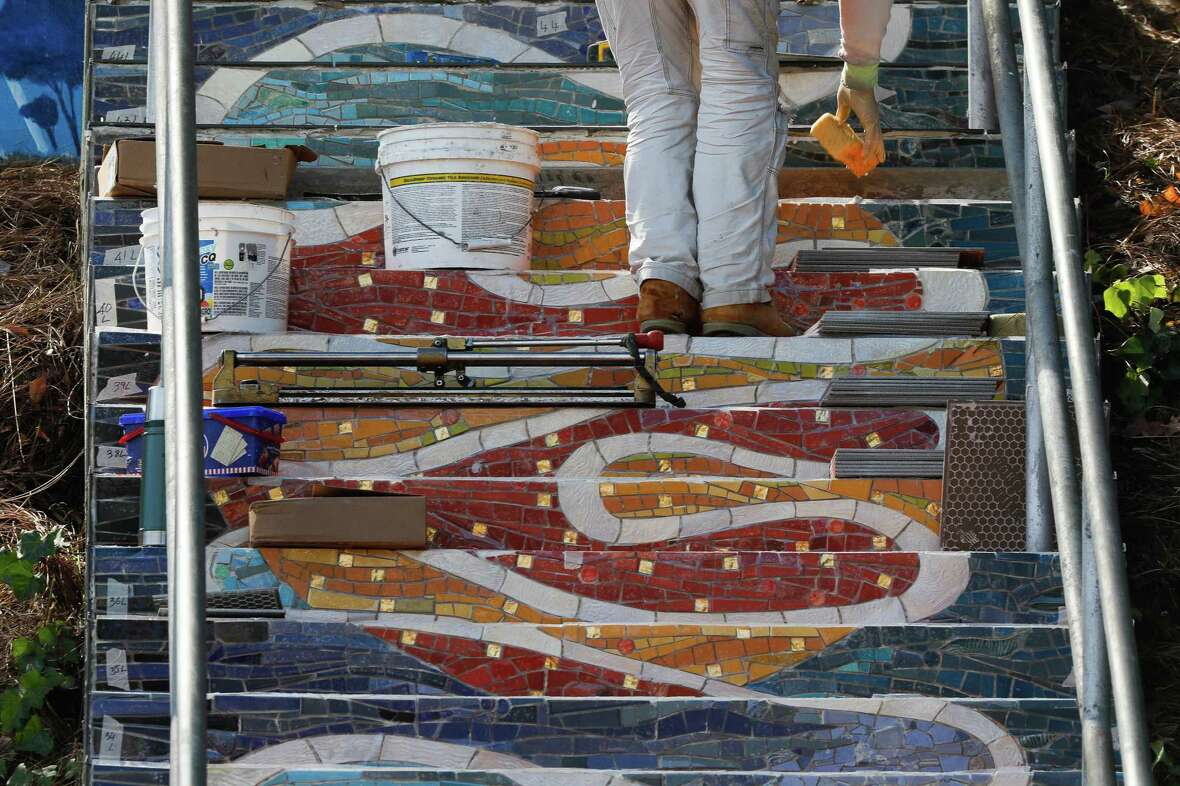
[238, 441]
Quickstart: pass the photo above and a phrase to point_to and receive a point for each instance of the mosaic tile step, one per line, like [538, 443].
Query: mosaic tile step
[633, 587]
[907, 734]
[486, 443]
[709, 373]
[439, 658]
[592, 235]
[337, 293]
[912, 97]
[677, 513]
[483, 33]
[275, 775]
[918, 165]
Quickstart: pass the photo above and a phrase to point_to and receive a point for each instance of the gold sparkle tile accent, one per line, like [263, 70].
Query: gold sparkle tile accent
[827, 560]
[494, 650]
[409, 637]
[837, 222]
[317, 582]
[364, 280]
[577, 316]
[378, 574]
[345, 561]
[368, 258]
[389, 605]
[510, 606]
[823, 416]
[441, 433]
[438, 317]
[594, 632]
[570, 537]
[732, 563]
[701, 604]
[744, 633]
[524, 561]
[879, 542]
[761, 492]
[884, 581]
[702, 431]
[544, 466]
[552, 440]
[798, 645]
[430, 282]
[275, 493]
[802, 546]
[606, 489]
[480, 529]
[996, 371]
[877, 498]
[826, 372]
[220, 497]
[874, 440]
[665, 465]
[544, 500]
[665, 500]
[714, 670]
[630, 682]
[551, 663]
[370, 326]
[689, 385]
[344, 428]
[431, 533]
[934, 509]
[647, 567]
[365, 485]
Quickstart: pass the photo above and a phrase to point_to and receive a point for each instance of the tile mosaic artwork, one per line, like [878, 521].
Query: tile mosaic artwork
[230, 775]
[566, 32]
[337, 292]
[710, 373]
[306, 655]
[913, 98]
[992, 589]
[912, 735]
[592, 235]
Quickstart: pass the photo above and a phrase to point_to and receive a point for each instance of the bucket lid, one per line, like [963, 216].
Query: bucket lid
[233, 413]
[432, 141]
[232, 210]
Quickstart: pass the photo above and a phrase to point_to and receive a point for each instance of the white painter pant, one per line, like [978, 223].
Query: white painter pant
[700, 81]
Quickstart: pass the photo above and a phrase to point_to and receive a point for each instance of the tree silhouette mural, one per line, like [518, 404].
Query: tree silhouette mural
[41, 43]
[42, 110]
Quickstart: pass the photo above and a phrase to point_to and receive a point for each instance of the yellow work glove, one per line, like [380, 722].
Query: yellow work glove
[858, 96]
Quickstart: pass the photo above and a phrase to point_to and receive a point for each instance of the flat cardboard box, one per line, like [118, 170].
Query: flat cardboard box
[223, 171]
[362, 521]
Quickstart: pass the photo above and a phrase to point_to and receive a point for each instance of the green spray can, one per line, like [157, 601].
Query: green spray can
[153, 528]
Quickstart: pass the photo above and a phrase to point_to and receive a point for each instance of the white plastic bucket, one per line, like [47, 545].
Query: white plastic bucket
[458, 195]
[245, 262]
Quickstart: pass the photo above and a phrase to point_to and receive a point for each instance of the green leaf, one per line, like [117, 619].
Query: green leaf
[12, 710]
[21, 776]
[1132, 348]
[34, 738]
[34, 547]
[1135, 293]
[19, 575]
[22, 648]
[1155, 319]
[1116, 300]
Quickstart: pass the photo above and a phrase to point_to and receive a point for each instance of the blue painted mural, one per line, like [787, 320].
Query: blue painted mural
[41, 51]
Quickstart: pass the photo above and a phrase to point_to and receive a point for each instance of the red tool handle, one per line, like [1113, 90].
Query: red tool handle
[651, 340]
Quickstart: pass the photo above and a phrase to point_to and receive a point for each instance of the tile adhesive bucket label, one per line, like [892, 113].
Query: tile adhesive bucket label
[245, 267]
[458, 195]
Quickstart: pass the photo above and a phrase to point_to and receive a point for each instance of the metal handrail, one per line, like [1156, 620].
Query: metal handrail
[1049, 195]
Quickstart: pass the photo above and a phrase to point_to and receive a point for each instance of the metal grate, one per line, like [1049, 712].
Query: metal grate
[906, 392]
[903, 323]
[887, 463]
[855, 260]
[983, 483]
[239, 600]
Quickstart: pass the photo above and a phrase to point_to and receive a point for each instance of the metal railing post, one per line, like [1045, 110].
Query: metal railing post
[1098, 767]
[981, 99]
[176, 104]
[1006, 82]
[1101, 498]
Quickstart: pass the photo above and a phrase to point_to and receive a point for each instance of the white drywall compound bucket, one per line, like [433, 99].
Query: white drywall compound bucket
[458, 195]
[245, 261]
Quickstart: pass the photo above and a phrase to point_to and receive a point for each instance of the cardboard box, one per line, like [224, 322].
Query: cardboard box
[223, 171]
[347, 520]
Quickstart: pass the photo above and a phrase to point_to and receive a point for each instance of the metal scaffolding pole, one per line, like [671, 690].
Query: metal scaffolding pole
[1098, 768]
[1101, 499]
[181, 340]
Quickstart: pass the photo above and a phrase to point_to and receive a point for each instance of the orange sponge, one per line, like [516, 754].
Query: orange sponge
[843, 144]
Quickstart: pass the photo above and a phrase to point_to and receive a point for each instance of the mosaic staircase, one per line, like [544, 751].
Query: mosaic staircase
[660, 597]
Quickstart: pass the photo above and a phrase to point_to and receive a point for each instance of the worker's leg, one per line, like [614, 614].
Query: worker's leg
[741, 135]
[654, 43]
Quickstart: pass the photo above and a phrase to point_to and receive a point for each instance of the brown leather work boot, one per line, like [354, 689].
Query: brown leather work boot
[746, 319]
[666, 307]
